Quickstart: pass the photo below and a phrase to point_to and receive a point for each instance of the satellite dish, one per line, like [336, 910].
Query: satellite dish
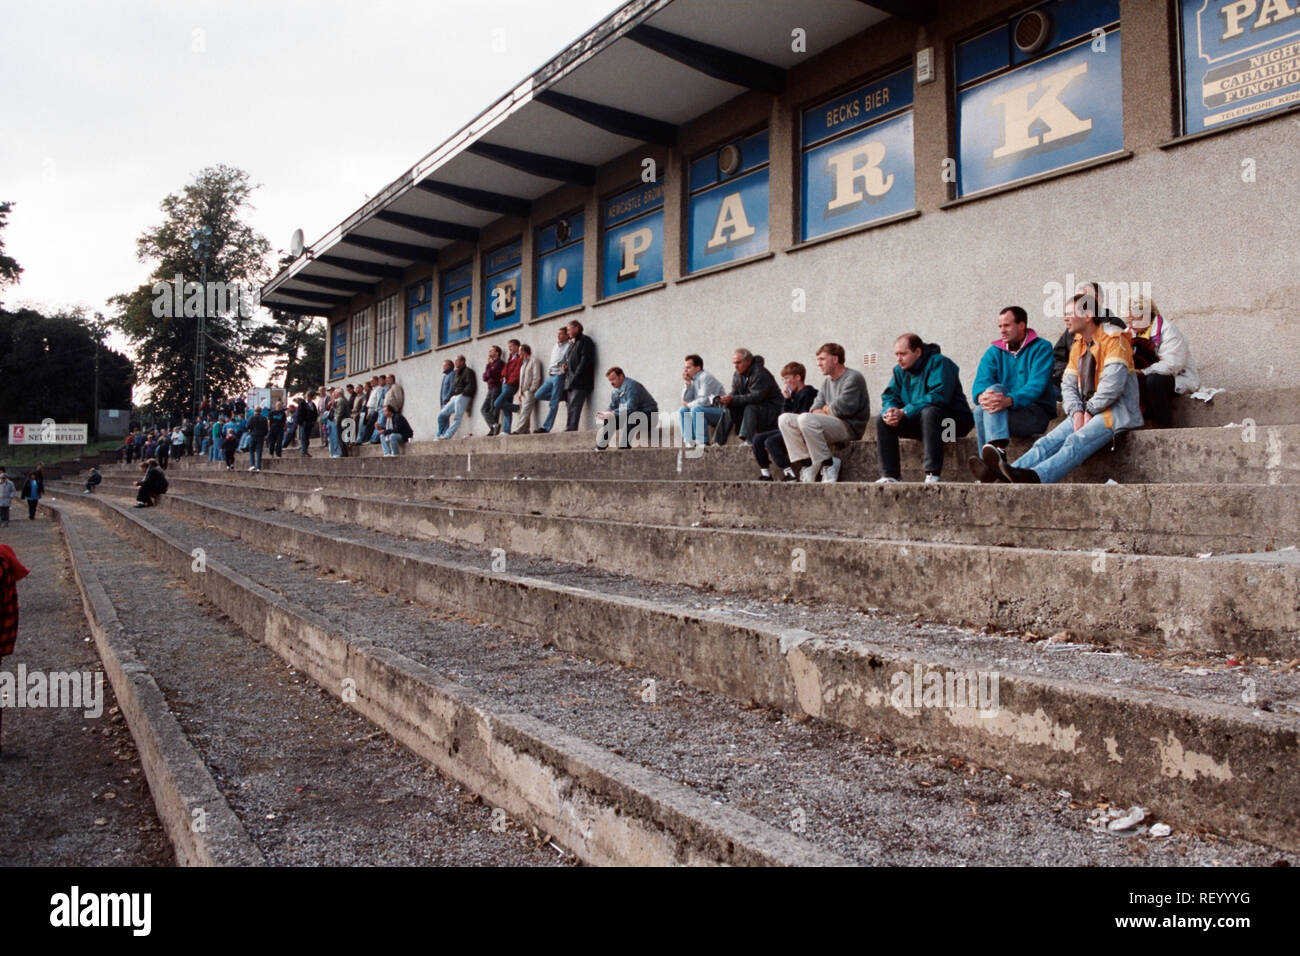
[295, 243]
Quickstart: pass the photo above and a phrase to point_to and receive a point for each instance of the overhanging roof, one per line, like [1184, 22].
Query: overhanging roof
[584, 108]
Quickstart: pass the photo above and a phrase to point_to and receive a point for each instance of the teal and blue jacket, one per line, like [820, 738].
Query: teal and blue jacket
[1025, 374]
[933, 380]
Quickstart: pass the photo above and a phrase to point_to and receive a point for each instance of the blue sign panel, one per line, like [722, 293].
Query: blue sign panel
[457, 295]
[634, 239]
[1241, 59]
[1067, 20]
[1059, 110]
[502, 273]
[339, 350]
[559, 264]
[419, 317]
[858, 167]
[728, 210]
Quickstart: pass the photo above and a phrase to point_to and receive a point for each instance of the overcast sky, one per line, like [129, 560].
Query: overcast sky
[111, 104]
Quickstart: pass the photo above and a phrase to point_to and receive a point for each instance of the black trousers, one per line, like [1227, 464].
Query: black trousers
[928, 426]
[1157, 394]
[491, 414]
[770, 447]
[274, 441]
[575, 399]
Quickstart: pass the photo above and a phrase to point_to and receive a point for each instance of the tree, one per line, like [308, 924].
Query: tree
[10, 270]
[47, 364]
[161, 318]
[296, 341]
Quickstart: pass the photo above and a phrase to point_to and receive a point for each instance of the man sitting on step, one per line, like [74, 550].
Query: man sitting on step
[1100, 395]
[631, 409]
[769, 446]
[923, 400]
[839, 414]
[754, 401]
[1013, 390]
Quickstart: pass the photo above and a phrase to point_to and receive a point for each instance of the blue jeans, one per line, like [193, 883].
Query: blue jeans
[255, 452]
[1020, 421]
[695, 422]
[553, 393]
[504, 406]
[1063, 449]
[332, 432]
[391, 442]
[453, 411]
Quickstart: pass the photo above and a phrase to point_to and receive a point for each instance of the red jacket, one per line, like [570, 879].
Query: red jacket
[11, 572]
[512, 370]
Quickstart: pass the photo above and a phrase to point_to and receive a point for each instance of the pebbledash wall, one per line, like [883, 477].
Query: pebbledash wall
[1118, 186]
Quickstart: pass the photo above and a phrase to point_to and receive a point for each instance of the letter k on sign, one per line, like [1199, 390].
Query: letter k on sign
[1019, 117]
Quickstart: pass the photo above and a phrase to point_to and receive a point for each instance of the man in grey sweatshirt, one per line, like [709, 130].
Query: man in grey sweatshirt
[839, 414]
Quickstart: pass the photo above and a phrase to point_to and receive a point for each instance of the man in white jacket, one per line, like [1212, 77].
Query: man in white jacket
[530, 380]
[1162, 360]
[698, 409]
[553, 388]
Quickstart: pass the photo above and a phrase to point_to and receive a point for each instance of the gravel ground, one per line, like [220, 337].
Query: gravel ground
[861, 798]
[74, 793]
[312, 782]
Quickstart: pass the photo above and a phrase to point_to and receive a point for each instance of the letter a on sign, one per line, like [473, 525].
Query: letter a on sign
[730, 217]
[1020, 117]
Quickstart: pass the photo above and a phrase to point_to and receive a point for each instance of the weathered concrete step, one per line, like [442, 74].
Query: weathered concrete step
[1212, 763]
[1129, 601]
[1275, 406]
[1141, 519]
[307, 780]
[1264, 455]
[182, 787]
[604, 808]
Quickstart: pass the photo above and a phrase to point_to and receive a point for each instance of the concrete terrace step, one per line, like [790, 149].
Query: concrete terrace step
[296, 778]
[1265, 455]
[1276, 406]
[1133, 601]
[604, 808]
[1142, 519]
[1200, 760]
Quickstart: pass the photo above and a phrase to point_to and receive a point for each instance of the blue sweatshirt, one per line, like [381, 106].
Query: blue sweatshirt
[1025, 374]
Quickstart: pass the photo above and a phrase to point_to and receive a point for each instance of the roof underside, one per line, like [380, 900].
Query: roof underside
[586, 107]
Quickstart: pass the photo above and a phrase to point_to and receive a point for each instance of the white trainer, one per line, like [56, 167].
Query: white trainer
[831, 472]
[886, 481]
[931, 479]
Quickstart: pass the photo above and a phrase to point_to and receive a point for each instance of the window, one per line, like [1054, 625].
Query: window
[633, 250]
[559, 264]
[457, 296]
[1038, 93]
[419, 317]
[728, 204]
[858, 163]
[338, 350]
[1240, 61]
[502, 273]
[386, 331]
[359, 356]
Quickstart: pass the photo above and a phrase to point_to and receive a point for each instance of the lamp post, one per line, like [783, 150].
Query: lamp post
[98, 324]
[201, 242]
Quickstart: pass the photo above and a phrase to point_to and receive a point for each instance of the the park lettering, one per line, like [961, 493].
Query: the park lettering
[1237, 17]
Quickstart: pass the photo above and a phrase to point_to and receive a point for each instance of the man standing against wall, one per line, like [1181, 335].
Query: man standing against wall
[553, 388]
[579, 374]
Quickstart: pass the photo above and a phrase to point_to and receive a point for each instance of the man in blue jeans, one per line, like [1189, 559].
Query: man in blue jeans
[698, 410]
[1100, 395]
[464, 384]
[553, 388]
[1014, 393]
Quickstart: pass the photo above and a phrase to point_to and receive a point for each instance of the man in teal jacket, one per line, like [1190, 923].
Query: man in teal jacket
[1014, 392]
[923, 400]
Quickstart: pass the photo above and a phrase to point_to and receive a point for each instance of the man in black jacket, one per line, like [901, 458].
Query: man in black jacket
[755, 398]
[258, 427]
[152, 486]
[579, 374]
[275, 436]
[305, 421]
[463, 386]
[769, 446]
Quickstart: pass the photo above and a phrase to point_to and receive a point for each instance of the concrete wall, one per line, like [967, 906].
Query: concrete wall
[1216, 249]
